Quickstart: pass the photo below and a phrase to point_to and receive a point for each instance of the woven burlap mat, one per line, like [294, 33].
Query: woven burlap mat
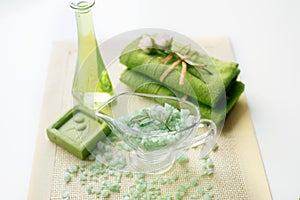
[239, 172]
[227, 181]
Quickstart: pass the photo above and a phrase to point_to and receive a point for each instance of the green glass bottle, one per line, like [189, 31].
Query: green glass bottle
[91, 84]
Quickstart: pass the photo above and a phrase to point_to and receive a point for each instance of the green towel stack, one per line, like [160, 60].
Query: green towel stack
[209, 87]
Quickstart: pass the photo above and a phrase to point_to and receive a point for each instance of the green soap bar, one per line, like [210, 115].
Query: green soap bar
[77, 131]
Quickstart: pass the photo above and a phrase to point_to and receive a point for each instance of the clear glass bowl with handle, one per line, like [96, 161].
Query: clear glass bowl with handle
[155, 152]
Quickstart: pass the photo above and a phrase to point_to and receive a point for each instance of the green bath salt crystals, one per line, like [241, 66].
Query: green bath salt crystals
[166, 121]
[103, 182]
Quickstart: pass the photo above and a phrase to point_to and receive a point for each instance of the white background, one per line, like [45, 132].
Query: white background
[266, 40]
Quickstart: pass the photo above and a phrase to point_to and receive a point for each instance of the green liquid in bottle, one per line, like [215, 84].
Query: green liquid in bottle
[91, 86]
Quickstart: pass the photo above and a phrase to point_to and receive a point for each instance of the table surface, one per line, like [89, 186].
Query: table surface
[265, 37]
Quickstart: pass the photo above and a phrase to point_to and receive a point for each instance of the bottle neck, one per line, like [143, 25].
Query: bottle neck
[87, 42]
[84, 22]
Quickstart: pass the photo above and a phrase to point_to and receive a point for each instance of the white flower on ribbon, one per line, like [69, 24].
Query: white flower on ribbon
[163, 40]
[146, 43]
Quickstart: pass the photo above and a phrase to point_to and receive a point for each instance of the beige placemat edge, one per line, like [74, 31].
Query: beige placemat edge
[44, 155]
[249, 154]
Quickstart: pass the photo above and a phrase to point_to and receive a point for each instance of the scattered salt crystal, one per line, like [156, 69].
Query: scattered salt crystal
[65, 195]
[194, 181]
[207, 197]
[183, 159]
[67, 177]
[208, 186]
[105, 193]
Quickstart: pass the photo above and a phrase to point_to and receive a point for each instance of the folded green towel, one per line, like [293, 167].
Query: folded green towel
[208, 88]
[143, 84]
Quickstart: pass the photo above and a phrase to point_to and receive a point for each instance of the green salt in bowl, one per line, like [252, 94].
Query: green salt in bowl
[159, 129]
